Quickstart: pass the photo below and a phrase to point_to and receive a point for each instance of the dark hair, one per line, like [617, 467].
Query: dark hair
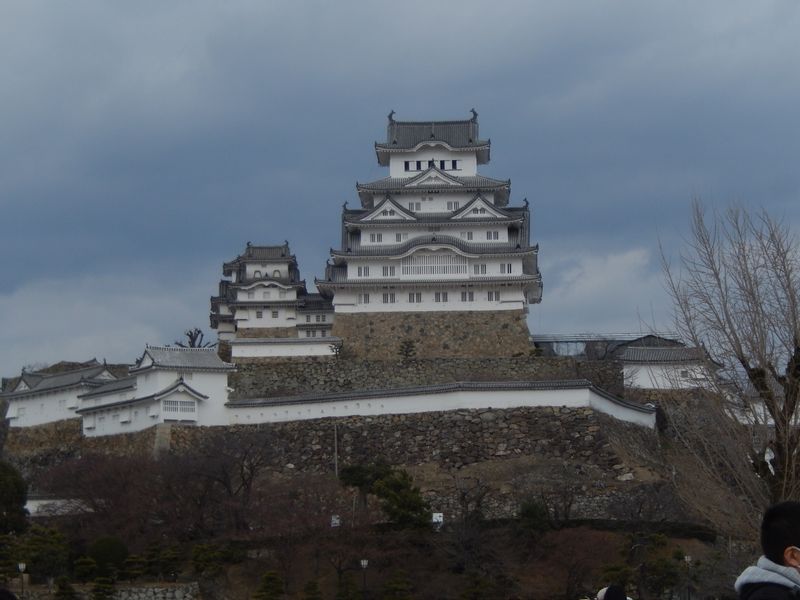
[615, 592]
[7, 594]
[780, 529]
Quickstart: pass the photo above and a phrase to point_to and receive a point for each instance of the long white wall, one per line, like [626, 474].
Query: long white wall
[429, 402]
[44, 408]
[266, 349]
[665, 376]
[353, 300]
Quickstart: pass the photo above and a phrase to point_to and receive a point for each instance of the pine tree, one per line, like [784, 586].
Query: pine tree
[271, 587]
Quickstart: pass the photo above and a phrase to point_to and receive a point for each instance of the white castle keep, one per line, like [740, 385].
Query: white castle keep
[432, 236]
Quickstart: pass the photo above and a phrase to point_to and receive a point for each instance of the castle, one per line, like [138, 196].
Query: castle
[433, 245]
[422, 308]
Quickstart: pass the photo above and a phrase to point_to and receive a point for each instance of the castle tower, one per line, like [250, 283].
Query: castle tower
[435, 255]
[263, 303]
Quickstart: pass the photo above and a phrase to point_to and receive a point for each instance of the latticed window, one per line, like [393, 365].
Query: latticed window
[179, 406]
[434, 264]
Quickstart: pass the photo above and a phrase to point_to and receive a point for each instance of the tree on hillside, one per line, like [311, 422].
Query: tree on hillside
[13, 496]
[736, 290]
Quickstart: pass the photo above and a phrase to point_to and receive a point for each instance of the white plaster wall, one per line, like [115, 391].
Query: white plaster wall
[346, 301]
[493, 268]
[319, 347]
[438, 204]
[267, 269]
[389, 234]
[468, 160]
[113, 420]
[247, 317]
[125, 419]
[44, 408]
[500, 399]
[258, 290]
[665, 376]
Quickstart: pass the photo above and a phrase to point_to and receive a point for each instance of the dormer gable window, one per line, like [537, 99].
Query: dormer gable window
[257, 274]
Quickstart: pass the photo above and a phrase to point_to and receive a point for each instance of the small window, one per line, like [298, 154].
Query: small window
[684, 374]
[389, 298]
[276, 273]
[375, 237]
[419, 165]
[479, 269]
[265, 295]
[467, 296]
[440, 297]
[494, 296]
[492, 235]
[324, 318]
[441, 165]
[363, 298]
[251, 295]
[274, 314]
[259, 314]
[454, 165]
[308, 318]
[319, 318]
[363, 271]
[407, 165]
[415, 297]
[308, 333]
[257, 274]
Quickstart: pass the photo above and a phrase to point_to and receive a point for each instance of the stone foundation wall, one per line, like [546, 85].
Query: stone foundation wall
[598, 466]
[32, 449]
[592, 465]
[187, 591]
[380, 336]
[262, 377]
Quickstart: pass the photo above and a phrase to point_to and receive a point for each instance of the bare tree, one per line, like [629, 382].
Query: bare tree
[736, 292]
[194, 339]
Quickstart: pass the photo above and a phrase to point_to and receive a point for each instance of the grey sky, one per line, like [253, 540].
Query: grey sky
[142, 144]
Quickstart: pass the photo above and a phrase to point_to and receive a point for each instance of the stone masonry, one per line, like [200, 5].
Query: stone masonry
[260, 378]
[381, 336]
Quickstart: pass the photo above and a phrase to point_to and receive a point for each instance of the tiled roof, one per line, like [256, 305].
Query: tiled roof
[160, 394]
[170, 357]
[674, 354]
[468, 183]
[255, 253]
[456, 134]
[436, 239]
[112, 386]
[445, 218]
[339, 276]
[38, 383]
[315, 302]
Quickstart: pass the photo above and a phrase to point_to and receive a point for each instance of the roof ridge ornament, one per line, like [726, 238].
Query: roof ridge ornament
[474, 118]
[390, 116]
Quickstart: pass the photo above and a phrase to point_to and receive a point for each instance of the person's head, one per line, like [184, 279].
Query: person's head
[612, 592]
[780, 534]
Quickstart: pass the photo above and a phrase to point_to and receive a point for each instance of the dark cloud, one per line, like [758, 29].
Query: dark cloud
[147, 142]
